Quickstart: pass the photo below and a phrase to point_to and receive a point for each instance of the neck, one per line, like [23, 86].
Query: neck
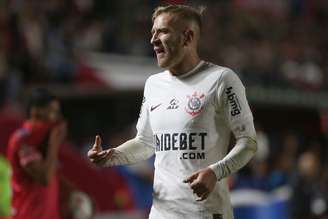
[36, 119]
[187, 64]
[33, 120]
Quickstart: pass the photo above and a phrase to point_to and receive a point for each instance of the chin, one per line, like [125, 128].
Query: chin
[163, 63]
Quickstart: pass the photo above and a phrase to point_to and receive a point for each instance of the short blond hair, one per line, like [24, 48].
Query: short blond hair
[183, 11]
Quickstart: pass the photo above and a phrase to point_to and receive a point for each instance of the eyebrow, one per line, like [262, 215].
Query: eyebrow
[160, 29]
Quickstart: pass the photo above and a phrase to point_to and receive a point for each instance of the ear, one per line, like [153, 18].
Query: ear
[188, 36]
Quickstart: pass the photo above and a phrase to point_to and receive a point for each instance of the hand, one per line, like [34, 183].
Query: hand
[202, 182]
[58, 134]
[97, 155]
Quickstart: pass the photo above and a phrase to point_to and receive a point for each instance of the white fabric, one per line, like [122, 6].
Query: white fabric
[188, 120]
[238, 157]
[158, 213]
[130, 152]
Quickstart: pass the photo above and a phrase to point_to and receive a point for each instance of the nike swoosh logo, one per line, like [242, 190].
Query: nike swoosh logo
[154, 107]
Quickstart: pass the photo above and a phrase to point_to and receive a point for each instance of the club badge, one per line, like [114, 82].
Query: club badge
[195, 104]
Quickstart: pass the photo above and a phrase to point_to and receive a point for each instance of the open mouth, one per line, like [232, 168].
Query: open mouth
[159, 51]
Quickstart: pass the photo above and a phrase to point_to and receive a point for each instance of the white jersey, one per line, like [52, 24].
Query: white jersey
[188, 120]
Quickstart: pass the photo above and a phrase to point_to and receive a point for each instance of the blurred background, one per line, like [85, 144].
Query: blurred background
[95, 55]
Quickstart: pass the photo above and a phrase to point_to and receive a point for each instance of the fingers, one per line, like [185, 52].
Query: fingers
[59, 131]
[198, 188]
[191, 178]
[197, 185]
[100, 158]
[98, 140]
[97, 144]
[105, 158]
[102, 155]
[203, 196]
[93, 154]
[96, 155]
[58, 134]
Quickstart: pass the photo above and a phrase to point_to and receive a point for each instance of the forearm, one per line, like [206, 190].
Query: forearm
[130, 152]
[51, 162]
[238, 157]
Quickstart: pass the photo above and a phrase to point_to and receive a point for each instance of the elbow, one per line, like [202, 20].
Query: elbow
[252, 144]
[255, 147]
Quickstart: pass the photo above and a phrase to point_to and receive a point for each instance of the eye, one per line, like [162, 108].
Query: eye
[164, 30]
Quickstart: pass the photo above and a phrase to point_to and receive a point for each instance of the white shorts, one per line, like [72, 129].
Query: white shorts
[164, 214]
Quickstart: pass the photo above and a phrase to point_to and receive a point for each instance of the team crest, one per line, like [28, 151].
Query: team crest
[195, 104]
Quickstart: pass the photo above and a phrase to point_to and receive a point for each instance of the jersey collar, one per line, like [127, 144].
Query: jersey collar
[192, 71]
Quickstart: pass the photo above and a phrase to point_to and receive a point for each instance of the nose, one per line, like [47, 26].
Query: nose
[154, 39]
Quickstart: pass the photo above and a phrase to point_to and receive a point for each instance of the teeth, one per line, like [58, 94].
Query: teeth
[159, 51]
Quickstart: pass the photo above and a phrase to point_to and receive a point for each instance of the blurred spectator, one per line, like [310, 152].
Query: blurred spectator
[284, 162]
[32, 152]
[309, 199]
[256, 175]
[280, 43]
[5, 189]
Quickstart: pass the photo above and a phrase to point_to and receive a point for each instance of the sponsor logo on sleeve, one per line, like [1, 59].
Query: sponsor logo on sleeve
[235, 107]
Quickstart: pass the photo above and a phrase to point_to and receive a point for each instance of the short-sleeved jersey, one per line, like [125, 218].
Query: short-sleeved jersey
[31, 199]
[188, 119]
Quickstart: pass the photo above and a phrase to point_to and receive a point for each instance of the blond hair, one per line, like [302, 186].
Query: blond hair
[186, 12]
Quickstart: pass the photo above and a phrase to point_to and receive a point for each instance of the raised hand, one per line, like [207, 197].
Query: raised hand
[202, 183]
[58, 134]
[97, 155]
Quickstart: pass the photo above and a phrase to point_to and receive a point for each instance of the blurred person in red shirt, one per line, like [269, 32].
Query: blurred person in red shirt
[33, 153]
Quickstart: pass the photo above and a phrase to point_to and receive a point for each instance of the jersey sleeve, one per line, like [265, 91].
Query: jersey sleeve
[28, 154]
[233, 102]
[144, 131]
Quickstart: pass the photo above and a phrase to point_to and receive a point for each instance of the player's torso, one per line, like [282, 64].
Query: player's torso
[26, 192]
[189, 134]
[184, 118]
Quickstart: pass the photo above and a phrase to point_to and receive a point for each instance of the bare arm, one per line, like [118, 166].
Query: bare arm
[43, 169]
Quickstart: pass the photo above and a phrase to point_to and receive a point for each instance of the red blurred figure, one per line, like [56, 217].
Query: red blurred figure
[32, 152]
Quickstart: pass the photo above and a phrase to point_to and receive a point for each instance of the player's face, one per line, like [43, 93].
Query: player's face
[167, 40]
[49, 113]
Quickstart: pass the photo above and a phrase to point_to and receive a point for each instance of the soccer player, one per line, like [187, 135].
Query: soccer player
[187, 115]
[32, 152]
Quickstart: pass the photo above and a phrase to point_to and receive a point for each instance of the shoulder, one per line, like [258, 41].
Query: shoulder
[220, 74]
[16, 140]
[226, 75]
[157, 77]
[213, 71]
[19, 136]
